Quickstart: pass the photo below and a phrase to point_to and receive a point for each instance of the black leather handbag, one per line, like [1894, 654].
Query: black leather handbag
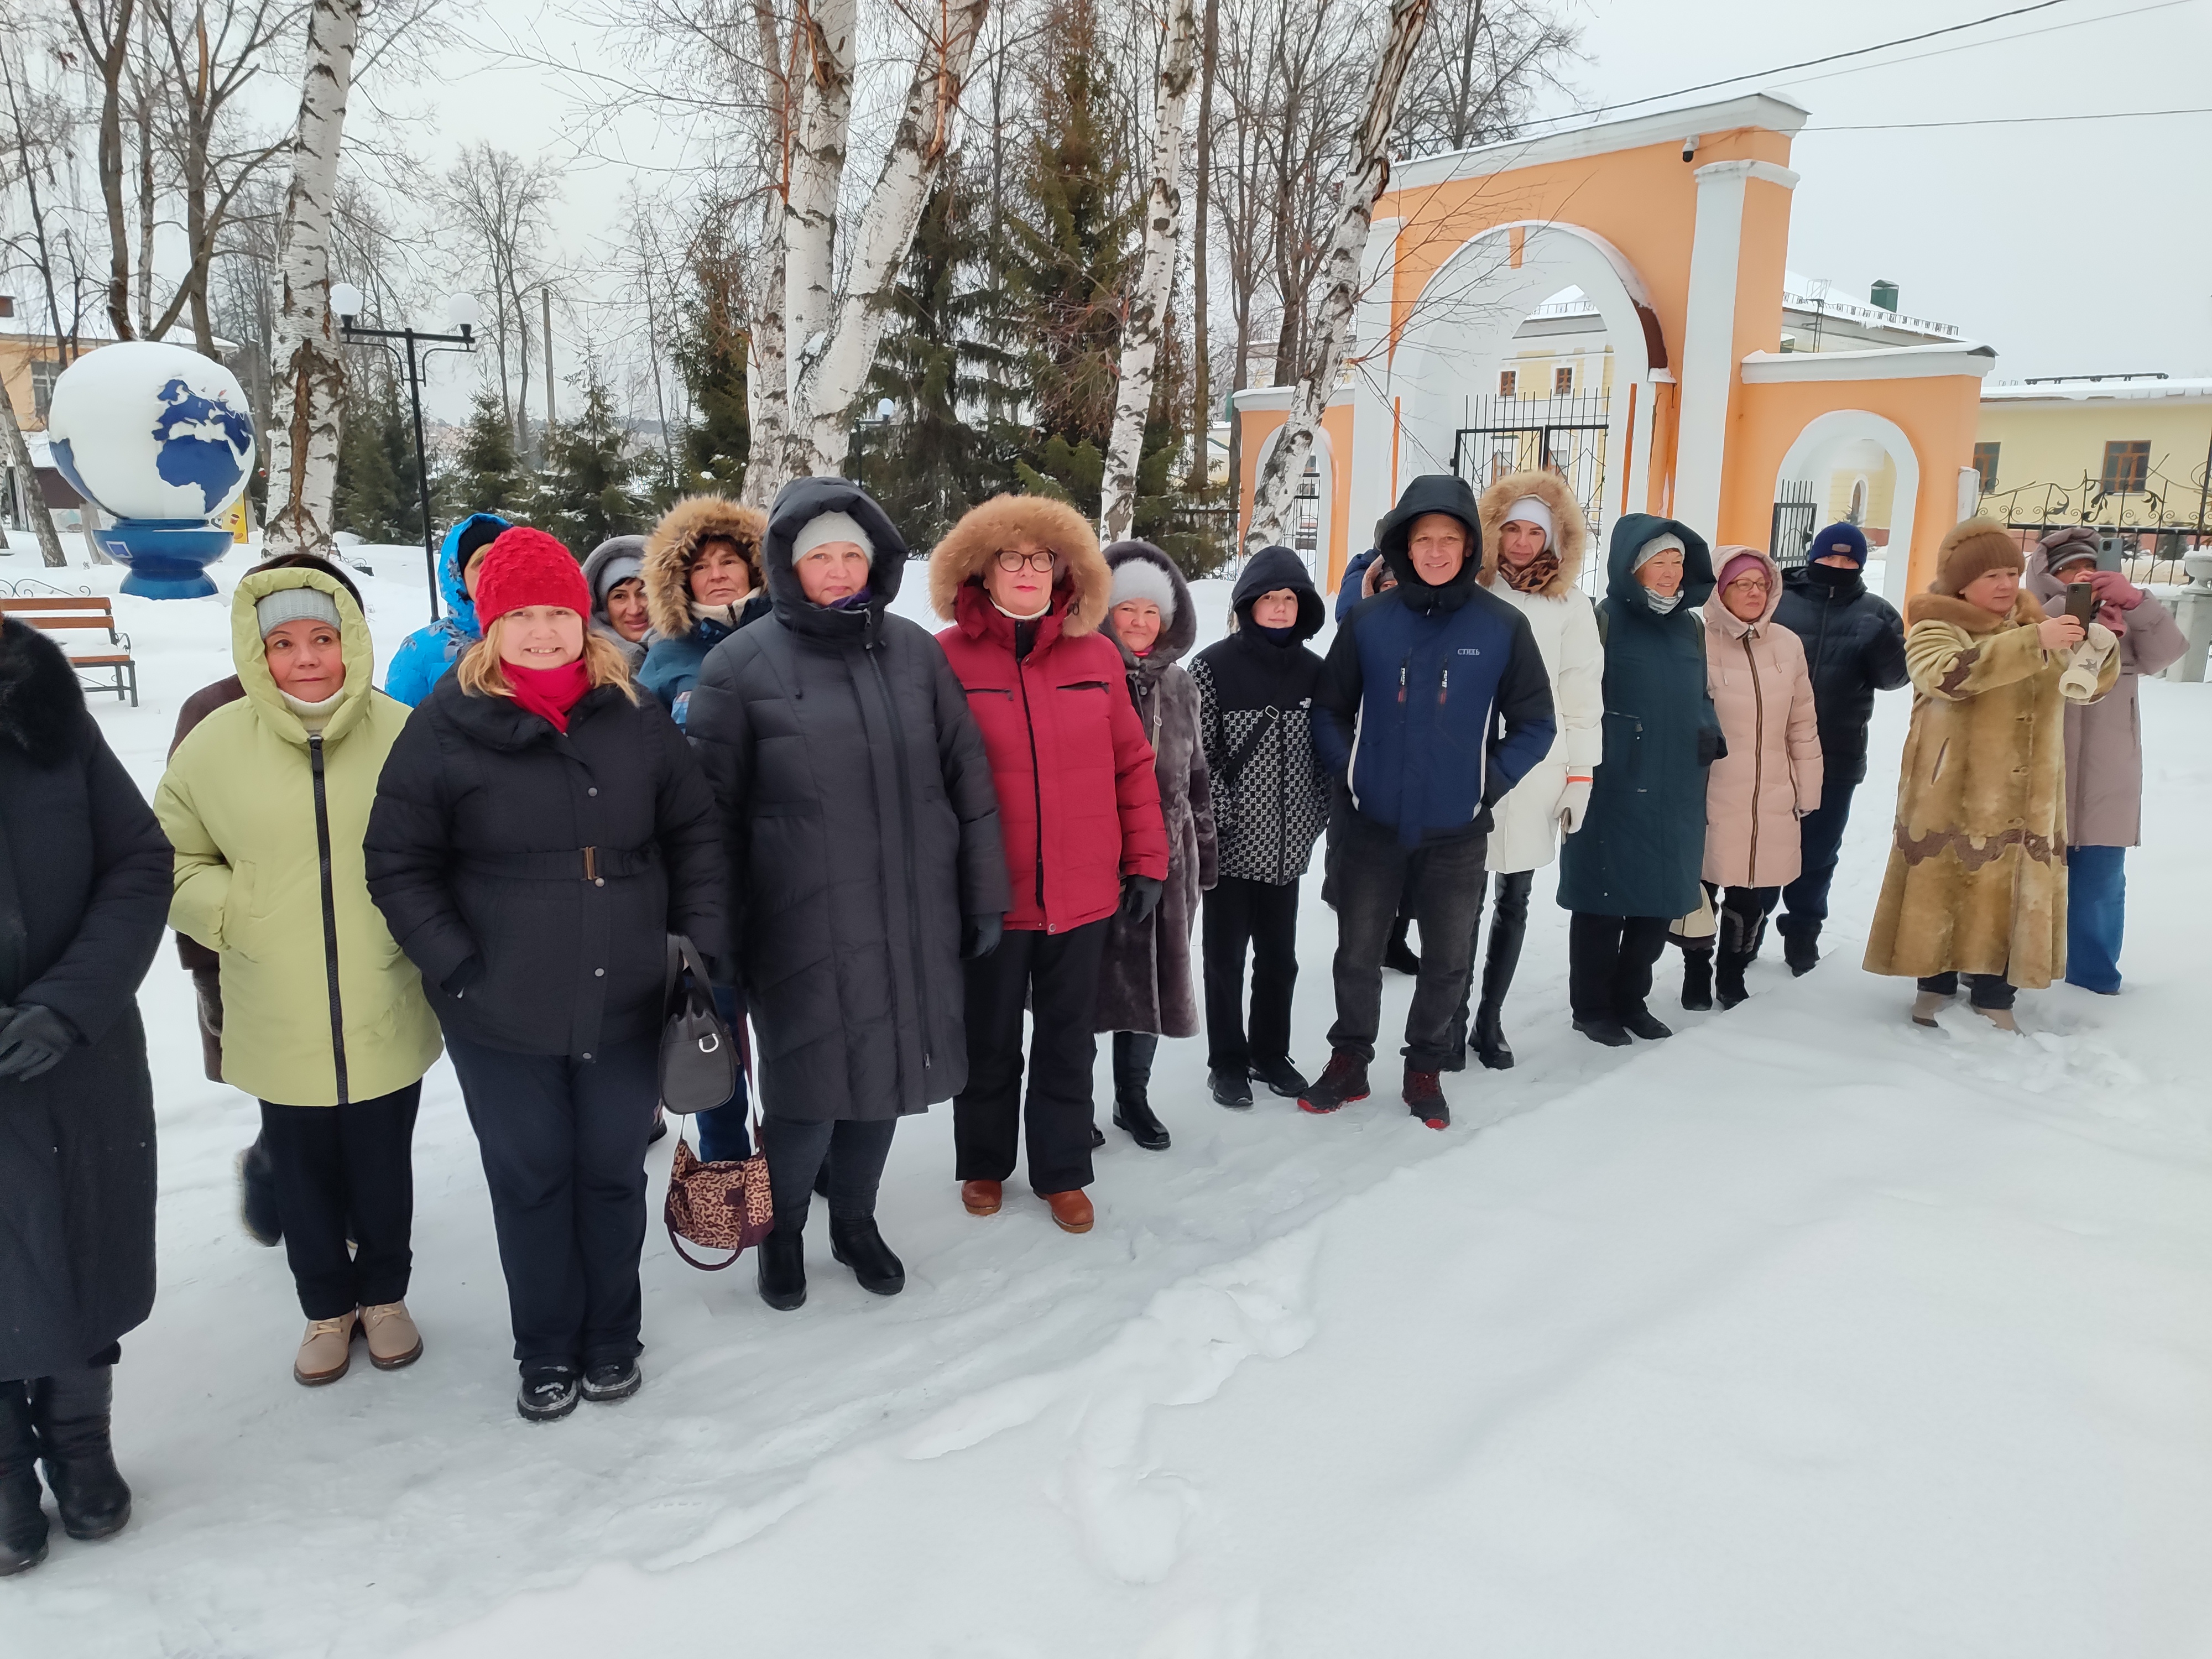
[698, 1053]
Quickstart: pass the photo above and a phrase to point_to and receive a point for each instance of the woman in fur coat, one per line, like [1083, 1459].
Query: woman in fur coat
[702, 583]
[1976, 877]
[1144, 986]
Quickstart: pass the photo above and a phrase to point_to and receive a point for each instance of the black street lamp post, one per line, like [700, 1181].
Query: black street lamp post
[462, 312]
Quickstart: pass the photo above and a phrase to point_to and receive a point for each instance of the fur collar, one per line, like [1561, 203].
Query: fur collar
[1570, 530]
[674, 543]
[42, 709]
[973, 542]
[2027, 612]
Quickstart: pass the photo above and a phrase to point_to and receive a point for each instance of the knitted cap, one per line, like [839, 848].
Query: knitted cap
[1844, 537]
[302, 603]
[526, 567]
[1531, 509]
[1972, 547]
[824, 527]
[1665, 541]
[1742, 563]
[2068, 546]
[1140, 579]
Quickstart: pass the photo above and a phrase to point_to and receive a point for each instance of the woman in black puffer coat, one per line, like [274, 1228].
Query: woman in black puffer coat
[540, 829]
[84, 890]
[862, 829]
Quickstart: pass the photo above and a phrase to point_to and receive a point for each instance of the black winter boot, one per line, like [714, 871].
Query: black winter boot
[1509, 927]
[1132, 1076]
[1342, 1082]
[1697, 979]
[862, 1248]
[70, 1411]
[23, 1521]
[1737, 946]
[783, 1264]
[1802, 951]
[1280, 1076]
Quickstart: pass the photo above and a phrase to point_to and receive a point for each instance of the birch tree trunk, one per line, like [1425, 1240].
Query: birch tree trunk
[1323, 349]
[34, 502]
[828, 376]
[1148, 306]
[767, 386]
[309, 382]
[825, 48]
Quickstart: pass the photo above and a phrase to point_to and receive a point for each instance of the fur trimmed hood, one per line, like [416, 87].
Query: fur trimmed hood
[41, 704]
[1570, 530]
[971, 545]
[674, 544]
[1181, 632]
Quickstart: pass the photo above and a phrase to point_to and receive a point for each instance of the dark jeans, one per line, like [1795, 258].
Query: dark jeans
[1265, 916]
[1819, 840]
[1057, 976]
[1609, 964]
[856, 1153]
[2096, 915]
[1983, 990]
[563, 1148]
[1445, 881]
[336, 1166]
[722, 1136]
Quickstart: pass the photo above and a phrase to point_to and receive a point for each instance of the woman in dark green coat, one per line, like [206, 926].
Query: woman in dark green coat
[1632, 868]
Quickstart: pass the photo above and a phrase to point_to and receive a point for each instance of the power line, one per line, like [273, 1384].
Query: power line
[2010, 120]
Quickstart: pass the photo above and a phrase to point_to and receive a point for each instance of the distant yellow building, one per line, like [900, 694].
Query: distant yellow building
[2123, 452]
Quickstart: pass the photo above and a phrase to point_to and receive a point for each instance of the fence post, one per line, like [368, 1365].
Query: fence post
[2192, 609]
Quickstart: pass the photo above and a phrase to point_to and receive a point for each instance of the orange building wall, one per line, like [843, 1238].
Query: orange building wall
[1256, 427]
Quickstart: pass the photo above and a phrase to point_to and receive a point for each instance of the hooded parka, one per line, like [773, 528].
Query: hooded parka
[1524, 830]
[1977, 876]
[1145, 981]
[861, 830]
[1763, 695]
[1854, 645]
[677, 647]
[84, 883]
[1078, 802]
[267, 819]
[595, 564]
[1641, 848]
[425, 655]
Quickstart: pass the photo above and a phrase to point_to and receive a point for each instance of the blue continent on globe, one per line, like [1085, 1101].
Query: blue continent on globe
[186, 458]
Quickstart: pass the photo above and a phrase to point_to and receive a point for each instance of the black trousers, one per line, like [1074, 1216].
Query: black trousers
[1983, 990]
[1609, 962]
[1056, 974]
[1740, 913]
[563, 1148]
[1819, 841]
[856, 1153]
[1240, 912]
[1443, 881]
[336, 1166]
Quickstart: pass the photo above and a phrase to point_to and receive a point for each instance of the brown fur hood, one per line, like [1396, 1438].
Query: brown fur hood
[2027, 612]
[674, 544]
[1570, 530]
[972, 544]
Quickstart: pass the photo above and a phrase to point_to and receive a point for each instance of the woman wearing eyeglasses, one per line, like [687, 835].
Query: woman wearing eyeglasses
[1022, 581]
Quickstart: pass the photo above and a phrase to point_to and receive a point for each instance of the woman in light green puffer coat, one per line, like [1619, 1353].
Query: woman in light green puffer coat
[266, 803]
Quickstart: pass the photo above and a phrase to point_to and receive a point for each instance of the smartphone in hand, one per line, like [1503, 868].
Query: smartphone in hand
[2081, 603]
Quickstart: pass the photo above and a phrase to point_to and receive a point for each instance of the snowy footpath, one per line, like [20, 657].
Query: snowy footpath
[1807, 1333]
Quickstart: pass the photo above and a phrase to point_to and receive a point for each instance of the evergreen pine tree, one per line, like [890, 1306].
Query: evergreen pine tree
[710, 352]
[590, 490]
[486, 475]
[373, 497]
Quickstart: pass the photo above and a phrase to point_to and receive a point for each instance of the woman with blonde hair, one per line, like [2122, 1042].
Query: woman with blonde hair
[539, 831]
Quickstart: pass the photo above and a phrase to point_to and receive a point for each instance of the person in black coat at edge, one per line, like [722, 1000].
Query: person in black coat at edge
[861, 829]
[84, 891]
[1271, 791]
[540, 829]
[1437, 700]
[1854, 647]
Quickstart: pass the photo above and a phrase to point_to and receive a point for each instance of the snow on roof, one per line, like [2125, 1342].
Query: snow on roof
[28, 320]
[1802, 293]
[2084, 388]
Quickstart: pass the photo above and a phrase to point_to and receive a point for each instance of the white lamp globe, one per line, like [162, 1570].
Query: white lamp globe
[462, 310]
[345, 300]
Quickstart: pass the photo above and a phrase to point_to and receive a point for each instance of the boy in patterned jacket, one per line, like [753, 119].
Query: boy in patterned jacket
[1271, 792]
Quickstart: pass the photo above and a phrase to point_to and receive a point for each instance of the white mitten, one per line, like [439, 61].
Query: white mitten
[1574, 801]
[2085, 662]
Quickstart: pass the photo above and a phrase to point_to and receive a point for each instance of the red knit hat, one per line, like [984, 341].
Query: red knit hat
[525, 567]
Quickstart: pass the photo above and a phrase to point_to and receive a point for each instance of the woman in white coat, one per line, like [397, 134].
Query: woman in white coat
[1533, 536]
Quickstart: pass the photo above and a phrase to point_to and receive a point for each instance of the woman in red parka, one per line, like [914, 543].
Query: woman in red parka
[1022, 581]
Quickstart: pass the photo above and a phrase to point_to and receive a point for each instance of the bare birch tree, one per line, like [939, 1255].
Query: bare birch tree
[1323, 359]
[309, 378]
[1148, 305]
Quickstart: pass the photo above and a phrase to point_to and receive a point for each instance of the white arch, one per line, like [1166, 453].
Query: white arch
[1324, 462]
[1808, 459]
[1464, 322]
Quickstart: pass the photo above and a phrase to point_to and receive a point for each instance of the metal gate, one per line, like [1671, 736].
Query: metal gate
[1566, 435]
[1789, 537]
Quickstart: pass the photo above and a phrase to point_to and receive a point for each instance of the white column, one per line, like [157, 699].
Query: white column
[1373, 428]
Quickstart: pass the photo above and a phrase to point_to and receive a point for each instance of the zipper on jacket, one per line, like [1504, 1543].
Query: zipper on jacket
[330, 914]
[1037, 781]
[906, 841]
[1758, 754]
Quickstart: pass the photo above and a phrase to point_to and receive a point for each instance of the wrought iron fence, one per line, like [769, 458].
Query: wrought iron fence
[1566, 435]
[1797, 514]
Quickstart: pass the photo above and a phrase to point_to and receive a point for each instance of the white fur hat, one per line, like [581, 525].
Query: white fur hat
[1140, 579]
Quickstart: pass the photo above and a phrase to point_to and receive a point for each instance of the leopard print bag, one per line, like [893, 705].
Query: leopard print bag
[724, 1205]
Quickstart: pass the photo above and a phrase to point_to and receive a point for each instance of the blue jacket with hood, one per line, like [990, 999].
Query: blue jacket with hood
[424, 656]
[1437, 697]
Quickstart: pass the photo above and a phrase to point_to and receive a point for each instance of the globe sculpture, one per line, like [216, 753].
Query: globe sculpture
[157, 436]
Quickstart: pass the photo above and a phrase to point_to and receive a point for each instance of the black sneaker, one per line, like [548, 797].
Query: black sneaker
[547, 1394]
[1604, 1031]
[611, 1380]
[1425, 1098]
[1279, 1075]
[1640, 1022]
[1231, 1089]
[1344, 1082]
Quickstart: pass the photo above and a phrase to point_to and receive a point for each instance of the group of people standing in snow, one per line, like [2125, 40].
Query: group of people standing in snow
[888, 847]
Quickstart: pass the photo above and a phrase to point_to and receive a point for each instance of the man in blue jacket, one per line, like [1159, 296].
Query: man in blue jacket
[1435, 701]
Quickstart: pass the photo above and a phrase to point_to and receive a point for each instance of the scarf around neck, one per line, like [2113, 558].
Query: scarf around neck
[1533, 577]
[549, 693]
[1663, 606]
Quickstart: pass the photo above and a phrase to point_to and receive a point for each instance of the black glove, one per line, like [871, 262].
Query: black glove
[1141, 896]
[32, 1040]
[980, 935]
[1711, 746]
[458, 982]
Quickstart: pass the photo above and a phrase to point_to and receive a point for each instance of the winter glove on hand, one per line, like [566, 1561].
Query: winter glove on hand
[32, 1040]
[2114, 589]
[1141, 896]
[1711, 746]
[980, 936]
[2114, 619]
[1574, 802]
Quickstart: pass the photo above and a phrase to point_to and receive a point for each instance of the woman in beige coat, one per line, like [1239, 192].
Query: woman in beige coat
[1768, 779]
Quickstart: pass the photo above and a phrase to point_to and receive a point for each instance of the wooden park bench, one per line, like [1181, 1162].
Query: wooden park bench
[53, 611]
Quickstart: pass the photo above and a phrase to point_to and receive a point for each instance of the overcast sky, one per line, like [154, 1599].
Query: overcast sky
[2079, 247]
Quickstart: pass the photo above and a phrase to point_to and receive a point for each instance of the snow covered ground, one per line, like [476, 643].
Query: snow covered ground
[1805, 1334]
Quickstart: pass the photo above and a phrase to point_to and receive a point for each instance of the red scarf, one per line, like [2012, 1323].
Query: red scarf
[550, 692]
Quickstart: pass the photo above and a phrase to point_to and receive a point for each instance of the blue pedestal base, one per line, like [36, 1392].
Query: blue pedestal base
[167, 558]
